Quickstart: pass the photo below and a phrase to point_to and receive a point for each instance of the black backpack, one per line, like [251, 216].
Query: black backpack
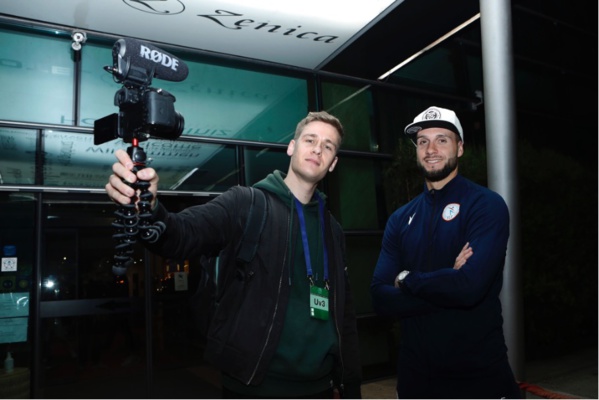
[203, 303]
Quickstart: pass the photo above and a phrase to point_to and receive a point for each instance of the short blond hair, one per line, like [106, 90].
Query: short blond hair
[321, 116]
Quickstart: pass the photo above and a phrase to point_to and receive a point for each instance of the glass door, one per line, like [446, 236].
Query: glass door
[17, 260]
[92, 323]
[106, 336]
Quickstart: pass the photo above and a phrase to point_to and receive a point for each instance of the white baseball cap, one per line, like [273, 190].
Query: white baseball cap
[435, 117]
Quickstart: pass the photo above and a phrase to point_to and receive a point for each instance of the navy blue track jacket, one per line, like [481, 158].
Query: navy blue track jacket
[450, 320]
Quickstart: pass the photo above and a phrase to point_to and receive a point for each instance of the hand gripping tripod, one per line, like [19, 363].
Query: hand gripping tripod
[134, 219]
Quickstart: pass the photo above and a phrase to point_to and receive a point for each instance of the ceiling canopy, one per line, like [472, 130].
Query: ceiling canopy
[362, 39]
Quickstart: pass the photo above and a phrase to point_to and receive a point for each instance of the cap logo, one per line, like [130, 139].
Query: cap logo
[431, 113]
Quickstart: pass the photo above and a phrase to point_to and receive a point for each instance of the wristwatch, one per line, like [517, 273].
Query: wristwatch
[400, 278]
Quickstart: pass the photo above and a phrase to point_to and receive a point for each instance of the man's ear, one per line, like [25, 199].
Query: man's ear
[333, 164]
[460, 148]
[290, 148]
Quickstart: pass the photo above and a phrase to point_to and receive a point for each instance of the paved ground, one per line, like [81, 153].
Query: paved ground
[571, 376]
[574, 375]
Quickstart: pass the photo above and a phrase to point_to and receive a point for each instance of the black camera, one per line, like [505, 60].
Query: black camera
[143, 111]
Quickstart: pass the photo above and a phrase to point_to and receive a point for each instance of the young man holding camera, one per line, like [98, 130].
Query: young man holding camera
[285, 326]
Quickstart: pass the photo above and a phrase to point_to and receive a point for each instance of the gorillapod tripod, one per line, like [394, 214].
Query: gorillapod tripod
[134, 219]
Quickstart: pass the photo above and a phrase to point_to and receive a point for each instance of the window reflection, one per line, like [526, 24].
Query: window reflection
[353, 105]
[17, 156]
[39, 80]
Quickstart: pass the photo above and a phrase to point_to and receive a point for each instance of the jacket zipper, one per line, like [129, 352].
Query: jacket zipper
[339, 332]
[431, 228]
[339, 280]
[270, 328]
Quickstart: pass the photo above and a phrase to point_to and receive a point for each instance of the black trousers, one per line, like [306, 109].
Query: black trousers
[496, 383]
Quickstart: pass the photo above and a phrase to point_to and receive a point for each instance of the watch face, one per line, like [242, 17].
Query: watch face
[451, 211]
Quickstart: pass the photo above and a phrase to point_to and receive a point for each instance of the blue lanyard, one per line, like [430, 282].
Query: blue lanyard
[300, 213]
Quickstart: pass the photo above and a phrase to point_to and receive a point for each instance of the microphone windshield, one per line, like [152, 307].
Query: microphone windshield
[129, 55]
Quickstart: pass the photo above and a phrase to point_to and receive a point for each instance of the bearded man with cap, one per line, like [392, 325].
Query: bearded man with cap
[440, 273]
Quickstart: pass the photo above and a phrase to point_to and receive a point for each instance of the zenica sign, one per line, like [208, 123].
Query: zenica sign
[236, 21]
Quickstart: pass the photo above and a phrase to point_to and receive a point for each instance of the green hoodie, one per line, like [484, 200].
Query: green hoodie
[304, 358]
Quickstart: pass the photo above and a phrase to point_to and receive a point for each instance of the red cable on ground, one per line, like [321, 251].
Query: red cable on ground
[544, 393]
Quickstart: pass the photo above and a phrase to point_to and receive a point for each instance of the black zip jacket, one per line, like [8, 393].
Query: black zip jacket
[248, 322]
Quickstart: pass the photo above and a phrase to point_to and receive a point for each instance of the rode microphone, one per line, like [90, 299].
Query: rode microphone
[138, 62]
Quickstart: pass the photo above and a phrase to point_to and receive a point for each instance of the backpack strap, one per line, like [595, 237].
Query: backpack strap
[253, 228]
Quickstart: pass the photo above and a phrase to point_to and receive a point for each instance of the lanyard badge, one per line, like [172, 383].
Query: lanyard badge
[319, 303]
[319, 297]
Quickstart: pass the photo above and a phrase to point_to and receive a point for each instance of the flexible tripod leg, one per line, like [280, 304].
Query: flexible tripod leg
[134, 219]
[126, 221]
